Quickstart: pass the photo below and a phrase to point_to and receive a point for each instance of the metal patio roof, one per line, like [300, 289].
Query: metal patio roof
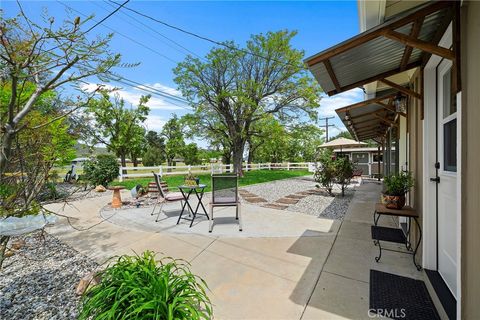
[371, 118]
[384, 50]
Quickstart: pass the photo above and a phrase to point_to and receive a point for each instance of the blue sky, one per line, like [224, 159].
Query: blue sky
[320, 24]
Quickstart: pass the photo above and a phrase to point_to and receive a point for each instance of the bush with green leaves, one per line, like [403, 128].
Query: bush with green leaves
[101, 170]
[398, 184]
[325, 173]
[343, 169]
[139, 287]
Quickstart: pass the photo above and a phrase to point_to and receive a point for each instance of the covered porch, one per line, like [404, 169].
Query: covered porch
[300, 267]
[396, 63]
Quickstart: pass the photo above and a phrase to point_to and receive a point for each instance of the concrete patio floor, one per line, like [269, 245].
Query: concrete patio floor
[284, 265]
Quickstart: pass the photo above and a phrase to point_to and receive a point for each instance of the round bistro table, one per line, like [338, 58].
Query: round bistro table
[187, 191]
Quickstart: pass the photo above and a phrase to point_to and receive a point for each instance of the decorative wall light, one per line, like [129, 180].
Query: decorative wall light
[400, 102]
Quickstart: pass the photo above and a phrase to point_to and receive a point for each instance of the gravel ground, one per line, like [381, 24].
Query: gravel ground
[321, 205]
[77, 192]
[39, 281]
[275, 190]
[324, 205]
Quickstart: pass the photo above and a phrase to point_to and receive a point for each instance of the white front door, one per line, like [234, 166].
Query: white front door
[446, 176]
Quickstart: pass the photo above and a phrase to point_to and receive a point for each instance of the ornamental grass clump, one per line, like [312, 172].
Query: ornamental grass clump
[139, 287]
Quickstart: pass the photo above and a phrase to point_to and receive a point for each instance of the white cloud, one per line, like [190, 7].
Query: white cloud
[132, 95]
[154, 123]
[329, 104]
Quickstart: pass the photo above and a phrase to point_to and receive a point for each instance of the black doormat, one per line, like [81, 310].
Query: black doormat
[447, 299]
[398, 297]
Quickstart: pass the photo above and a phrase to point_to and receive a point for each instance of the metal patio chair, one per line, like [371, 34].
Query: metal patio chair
[225, 194]
[164, 196]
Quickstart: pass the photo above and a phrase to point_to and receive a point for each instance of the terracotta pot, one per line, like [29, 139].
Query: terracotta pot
[393, 202]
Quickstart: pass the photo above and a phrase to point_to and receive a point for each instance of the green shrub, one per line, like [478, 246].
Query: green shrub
[139, 287]
[343, 168]
[398, 184]
[49, 192]
[153, 157]
[325, 173]
[100, 171]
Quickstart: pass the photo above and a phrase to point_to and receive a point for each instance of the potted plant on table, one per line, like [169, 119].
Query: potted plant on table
[395, 188]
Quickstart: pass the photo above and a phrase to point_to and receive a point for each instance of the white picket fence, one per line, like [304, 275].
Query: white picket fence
[139, 172]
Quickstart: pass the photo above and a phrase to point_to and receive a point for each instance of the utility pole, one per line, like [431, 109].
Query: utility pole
[327, 125]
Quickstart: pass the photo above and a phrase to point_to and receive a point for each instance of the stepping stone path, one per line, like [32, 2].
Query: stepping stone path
[280, 204]
[251, 197]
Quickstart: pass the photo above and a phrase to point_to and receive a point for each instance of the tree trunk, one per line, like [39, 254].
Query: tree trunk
[123, 162]
[250, 154]
[135, 161]
[238, 148]
[5, 149]
[3, 247]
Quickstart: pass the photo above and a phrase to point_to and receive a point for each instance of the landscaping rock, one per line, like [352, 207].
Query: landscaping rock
[39, 281]
[100, 188]
[90, 280]
[18, 244]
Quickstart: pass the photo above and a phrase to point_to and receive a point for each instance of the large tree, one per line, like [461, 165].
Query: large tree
[36, 59]
[154, 153]
[233, 88]
[49, 56]
[172, 131]
[117, 126]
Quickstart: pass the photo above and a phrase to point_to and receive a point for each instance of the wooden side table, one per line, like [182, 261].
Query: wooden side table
[395, 234]
[117, 197]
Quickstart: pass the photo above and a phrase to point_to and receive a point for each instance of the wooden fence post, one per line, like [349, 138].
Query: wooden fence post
[160, 171]
[120, 173]
[288, 166]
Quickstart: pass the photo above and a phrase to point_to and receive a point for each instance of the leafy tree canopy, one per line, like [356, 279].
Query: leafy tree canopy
[233, 89]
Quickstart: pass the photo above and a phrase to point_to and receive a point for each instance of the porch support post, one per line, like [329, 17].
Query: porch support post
[378, 162]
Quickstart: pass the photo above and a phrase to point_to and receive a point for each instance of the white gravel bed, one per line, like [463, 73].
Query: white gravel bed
[324, 206]
[39, 281]
[321, 205]
[277, 189]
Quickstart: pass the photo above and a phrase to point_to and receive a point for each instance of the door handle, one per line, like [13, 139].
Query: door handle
[437, 179]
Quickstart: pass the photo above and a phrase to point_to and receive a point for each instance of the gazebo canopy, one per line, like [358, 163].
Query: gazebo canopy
[342, 143]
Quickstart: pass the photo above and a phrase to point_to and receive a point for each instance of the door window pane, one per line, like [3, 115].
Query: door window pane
[449, 101]
[450, 146]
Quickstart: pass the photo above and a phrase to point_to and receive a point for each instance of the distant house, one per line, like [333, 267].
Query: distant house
[366, 159]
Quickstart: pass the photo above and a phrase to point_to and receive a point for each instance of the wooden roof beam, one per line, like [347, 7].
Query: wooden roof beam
[420, 44]
[417, 26]
[385, 119]
[387, 106]
[376, 78]
[332, 75]
[363, 115]
[402, 89]
[370, 126]
[364, 103]
[373, 33]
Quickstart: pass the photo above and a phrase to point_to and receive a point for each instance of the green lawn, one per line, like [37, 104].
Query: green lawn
[250, 177]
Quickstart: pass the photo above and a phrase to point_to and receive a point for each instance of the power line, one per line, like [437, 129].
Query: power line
[106, 17]
[153, 30]
[223, 44]
[122, 34]
[89, 29]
